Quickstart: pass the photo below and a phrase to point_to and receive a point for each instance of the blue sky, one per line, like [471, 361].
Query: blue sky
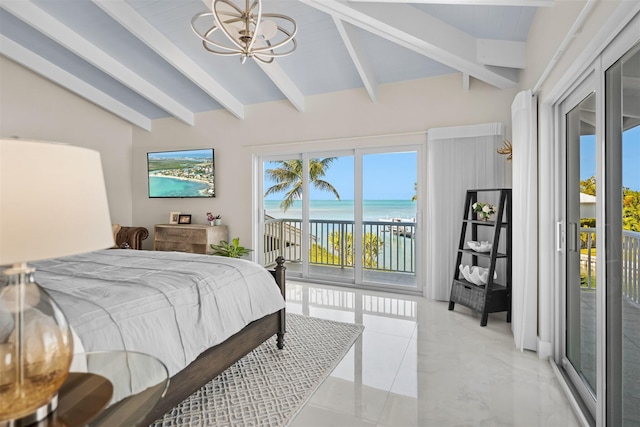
[181, 154]
[388, 176]
[630, 161]
[391, 176]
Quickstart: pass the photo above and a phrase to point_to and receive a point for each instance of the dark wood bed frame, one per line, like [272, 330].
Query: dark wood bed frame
[216, 359]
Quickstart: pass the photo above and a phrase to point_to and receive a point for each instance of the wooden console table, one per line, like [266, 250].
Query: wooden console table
[192, 238]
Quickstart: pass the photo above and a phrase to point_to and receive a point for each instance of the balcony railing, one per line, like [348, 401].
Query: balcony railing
[631, 265]
[630, 262]
[386, 245]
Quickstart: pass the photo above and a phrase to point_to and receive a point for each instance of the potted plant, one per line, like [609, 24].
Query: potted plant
[214, 219]
[231, 250]
[483, 210]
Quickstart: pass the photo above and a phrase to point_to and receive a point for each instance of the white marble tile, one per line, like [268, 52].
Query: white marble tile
[390, 326]
[406, 380]
[432, 367]
[400, 411]
[375, 359]
[350, 399]
[332, 314]
[313, 416]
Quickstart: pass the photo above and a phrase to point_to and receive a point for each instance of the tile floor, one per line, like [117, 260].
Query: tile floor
[418, 364]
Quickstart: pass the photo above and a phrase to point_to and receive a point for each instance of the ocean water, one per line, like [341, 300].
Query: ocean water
[161, 186]
[373, 210]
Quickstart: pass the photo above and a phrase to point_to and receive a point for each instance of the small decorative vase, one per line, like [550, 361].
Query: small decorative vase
[211, 223]
[217, 222]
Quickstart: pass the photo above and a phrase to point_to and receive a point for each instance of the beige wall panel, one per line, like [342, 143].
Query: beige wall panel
[548, 30]
[31, 107]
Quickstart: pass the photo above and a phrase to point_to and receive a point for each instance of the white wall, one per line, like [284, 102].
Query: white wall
[403, 107]
[548, 29]
[32, 107]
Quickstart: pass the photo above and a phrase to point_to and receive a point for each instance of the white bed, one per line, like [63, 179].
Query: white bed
[168, 304]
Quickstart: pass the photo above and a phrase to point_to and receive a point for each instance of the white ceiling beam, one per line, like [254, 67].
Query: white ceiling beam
[156, 41]
[419, 32]
[352, 43]
[466, 82]
[29, 59]
[501, 53]
[46, 24]
[518, 3]
[282, 80]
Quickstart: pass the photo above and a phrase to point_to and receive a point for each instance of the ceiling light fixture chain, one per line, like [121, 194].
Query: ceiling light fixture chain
[251, 33]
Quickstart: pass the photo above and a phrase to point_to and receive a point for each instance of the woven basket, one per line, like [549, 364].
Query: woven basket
[468, 295]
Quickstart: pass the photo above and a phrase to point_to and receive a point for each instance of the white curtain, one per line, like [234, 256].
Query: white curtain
[525, 221]
[458, 158]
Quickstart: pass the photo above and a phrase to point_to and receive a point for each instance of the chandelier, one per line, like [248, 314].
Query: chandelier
[245, 33]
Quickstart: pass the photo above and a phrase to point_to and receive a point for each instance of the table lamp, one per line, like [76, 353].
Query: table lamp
[53, 203]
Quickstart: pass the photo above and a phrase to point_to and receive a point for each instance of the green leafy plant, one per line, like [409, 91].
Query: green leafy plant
[231, 250]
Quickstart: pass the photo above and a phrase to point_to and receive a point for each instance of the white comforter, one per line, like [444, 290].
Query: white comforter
[168, 304]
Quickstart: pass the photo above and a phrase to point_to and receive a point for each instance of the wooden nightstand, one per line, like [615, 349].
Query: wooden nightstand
[193, 238]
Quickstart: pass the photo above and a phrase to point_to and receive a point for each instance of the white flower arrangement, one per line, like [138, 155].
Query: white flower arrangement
[484, 210]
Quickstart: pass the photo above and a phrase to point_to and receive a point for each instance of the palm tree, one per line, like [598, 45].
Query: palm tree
[371, 246]
[288, 178]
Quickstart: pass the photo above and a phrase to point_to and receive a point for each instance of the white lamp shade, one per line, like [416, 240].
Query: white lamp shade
[53, 201]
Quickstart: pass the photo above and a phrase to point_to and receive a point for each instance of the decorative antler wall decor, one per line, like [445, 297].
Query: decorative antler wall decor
[505, 149]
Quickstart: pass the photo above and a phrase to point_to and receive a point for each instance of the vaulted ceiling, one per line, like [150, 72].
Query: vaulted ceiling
[140, 59]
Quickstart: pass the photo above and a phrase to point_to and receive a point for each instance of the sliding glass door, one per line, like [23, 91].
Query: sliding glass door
[622, 177]
[600, 298]
[331, 217]
[344, 217]
[580, 256]
[389, 217]
[281, 219]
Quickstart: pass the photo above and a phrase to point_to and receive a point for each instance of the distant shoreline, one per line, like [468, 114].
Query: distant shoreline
[203, 192]
[159, 175]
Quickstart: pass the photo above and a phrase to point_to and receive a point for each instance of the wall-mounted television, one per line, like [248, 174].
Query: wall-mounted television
[183, 173]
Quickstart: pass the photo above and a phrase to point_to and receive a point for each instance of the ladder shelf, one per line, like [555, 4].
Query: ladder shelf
[494, 295]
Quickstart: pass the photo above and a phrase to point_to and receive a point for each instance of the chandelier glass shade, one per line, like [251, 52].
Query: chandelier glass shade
[231, 31]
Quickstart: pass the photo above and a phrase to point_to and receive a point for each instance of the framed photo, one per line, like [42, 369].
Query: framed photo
[184, 219]
[173, 217]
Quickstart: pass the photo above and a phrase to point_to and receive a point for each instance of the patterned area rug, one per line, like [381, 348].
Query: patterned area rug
[269, 386]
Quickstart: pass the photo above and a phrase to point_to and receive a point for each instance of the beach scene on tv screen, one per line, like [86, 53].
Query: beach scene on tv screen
[181, 173]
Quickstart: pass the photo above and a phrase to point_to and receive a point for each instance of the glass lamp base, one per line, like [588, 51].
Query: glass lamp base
[35, 349]
[40, 414]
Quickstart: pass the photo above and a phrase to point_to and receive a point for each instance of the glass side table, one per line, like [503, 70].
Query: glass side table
[110, 388]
